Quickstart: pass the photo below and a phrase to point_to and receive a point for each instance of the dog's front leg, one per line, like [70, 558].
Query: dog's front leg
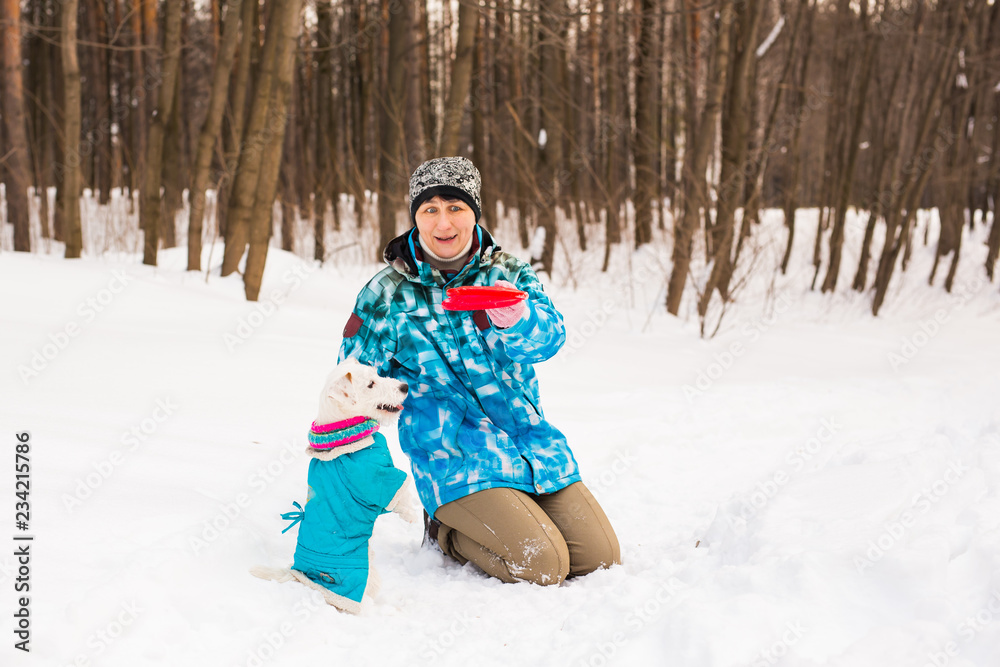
[403, 505]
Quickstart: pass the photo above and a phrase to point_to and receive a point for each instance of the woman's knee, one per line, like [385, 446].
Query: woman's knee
[544, 560]
[603, 552]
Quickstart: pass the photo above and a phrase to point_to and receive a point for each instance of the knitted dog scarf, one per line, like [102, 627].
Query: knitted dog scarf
[338, 434]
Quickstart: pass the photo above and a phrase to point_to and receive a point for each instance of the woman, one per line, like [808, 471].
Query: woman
[499, 483]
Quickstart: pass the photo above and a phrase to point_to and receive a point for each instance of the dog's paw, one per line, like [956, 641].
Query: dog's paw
[409, 514]
[280, 574]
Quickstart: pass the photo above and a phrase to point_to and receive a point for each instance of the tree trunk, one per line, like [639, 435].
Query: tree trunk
[846, 179]
[287, 192]
[889, 128]
[735, 139]
[150, 203]
[98, 85]
[237, 116]
[552, 51]
[286, 24]
[70, 202]
[647, 140]
[461, 78]
[173, 167]
[140, 107]
[326, 140]
[993, 243]
[15, 156]
[391, 175]
[210, 129]
[901, 215]
[609, 139]
[261, 127]
[696, 162]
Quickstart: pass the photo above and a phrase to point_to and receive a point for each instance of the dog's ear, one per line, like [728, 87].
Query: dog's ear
[342, 389]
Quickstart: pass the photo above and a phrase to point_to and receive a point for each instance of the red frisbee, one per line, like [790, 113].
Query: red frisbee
[482, 298]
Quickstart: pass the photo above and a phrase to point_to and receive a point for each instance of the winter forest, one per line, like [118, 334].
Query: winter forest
[601, 123]
[769, 228]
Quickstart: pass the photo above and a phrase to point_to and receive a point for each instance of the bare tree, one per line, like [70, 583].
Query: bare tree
[286, 24]
[902, 210]
[646, 140]
[260, 128]
[150, 205]
[735, 147]
[16, 160]
[696, 160]
[391, 174]
[209, 134]
[70, 201]
[461, 77]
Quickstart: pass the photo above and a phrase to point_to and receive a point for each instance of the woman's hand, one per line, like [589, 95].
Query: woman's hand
[508, 316]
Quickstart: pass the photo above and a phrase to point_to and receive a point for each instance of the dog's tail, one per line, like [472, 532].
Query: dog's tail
[280, 574]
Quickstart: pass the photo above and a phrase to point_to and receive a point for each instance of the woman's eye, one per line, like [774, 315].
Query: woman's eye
[455, 208]
[430, 209]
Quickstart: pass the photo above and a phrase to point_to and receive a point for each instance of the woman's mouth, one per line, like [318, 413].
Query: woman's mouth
[448, 239]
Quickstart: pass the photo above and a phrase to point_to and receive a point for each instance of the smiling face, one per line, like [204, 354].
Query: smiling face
[445, 225]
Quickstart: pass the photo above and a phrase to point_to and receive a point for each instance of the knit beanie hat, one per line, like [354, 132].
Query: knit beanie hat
[449, 176]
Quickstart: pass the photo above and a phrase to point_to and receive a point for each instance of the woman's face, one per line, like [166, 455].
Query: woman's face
[445, 226]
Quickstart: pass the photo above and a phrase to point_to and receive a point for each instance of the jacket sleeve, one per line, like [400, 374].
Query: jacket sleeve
[540, 333]
[370, 335]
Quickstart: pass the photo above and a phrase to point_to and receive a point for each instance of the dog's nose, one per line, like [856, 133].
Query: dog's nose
[403, 387]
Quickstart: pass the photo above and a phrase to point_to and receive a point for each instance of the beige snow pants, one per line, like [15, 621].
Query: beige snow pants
[516, 536]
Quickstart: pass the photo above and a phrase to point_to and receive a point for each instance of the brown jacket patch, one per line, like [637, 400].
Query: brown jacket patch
[481, 319]
[353, 326]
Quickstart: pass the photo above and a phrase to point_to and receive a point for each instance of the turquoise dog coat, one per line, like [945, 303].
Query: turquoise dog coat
[351, 482]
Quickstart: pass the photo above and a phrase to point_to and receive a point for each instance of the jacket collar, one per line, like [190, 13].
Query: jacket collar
[405, 256]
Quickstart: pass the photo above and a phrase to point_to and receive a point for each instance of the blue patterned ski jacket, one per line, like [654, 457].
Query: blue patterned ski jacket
[472, 419]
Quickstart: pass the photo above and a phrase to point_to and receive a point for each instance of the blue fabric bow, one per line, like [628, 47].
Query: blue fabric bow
[294, 517]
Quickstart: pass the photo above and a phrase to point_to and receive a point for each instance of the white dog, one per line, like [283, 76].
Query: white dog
[351, 482]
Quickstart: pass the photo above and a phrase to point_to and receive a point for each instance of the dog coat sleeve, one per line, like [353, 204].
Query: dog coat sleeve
[374, 480]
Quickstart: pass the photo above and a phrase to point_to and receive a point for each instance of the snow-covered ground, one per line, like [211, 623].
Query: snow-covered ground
[810, 487]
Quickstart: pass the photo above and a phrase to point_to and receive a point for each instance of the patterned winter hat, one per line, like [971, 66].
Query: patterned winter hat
[455, 176]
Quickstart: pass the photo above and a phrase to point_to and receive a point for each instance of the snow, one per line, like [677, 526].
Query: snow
[765, 46]
[813, 486]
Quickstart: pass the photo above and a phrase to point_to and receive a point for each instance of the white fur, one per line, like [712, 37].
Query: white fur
[354, 390]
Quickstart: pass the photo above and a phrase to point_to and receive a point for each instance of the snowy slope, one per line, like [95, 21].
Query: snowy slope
[839, 474]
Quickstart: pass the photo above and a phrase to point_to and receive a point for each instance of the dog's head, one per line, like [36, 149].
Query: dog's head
[356, 390]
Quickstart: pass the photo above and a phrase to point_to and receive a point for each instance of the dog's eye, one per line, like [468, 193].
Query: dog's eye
[371, 385]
